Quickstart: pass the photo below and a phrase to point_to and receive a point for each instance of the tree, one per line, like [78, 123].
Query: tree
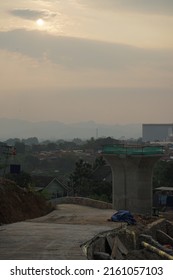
[101, 190]
[31, 162]
[22, 179]
[163, 174]
[83, 185]
[168, 174]
[51, 146]
[79, 179]
[99, 161]
[31, 141]
[20, 147]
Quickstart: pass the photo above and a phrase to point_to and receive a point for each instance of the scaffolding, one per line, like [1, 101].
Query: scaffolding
[6, 152]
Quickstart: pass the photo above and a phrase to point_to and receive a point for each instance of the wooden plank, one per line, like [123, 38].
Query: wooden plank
[118, 250]
[110, 241]
[122, 248]
[115, 248]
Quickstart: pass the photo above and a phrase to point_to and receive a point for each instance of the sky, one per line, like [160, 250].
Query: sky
[110, 61]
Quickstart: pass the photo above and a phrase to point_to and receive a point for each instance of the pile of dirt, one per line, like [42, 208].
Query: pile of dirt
[18, 204]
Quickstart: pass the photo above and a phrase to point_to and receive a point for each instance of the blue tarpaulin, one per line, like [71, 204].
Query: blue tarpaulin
[123, 216]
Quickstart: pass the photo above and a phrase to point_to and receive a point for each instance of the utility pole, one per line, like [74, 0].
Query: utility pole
[97, 132]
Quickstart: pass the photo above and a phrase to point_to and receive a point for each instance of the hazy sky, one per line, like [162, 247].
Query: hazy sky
[110, 61]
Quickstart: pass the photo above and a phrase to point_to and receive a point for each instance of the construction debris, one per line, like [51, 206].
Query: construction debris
[161, 253]
[164, 238]
[152, 242]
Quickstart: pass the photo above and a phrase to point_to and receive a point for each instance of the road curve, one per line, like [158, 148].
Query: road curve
[56, 236]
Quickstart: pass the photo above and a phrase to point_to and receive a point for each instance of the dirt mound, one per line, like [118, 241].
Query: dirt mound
[17, 204]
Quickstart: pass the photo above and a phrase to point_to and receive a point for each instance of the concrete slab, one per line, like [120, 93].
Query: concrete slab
[56, 236]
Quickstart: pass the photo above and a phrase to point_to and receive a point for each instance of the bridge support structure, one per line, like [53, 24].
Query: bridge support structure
[132, 180]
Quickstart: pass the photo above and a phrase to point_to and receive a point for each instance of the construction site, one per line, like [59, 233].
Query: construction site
[81, 228]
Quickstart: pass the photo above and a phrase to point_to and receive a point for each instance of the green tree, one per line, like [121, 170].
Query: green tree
[168, 174]
[101, 191]
[80, 178]
[83, 185]
[31, 162]
[163, 174]
[20, 147]
[99, 161]
[51, 146]
[22, 179]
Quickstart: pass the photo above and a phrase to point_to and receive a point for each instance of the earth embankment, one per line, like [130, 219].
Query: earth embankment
[17, 204]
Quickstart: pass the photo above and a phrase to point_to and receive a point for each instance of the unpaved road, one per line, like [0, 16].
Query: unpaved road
[56, 236]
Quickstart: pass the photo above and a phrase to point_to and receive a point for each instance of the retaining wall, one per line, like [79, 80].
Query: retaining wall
[82, 201]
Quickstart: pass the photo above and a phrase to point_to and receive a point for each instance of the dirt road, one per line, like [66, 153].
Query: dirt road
[56, 236]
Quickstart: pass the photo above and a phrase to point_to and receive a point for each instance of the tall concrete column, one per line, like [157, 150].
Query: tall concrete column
[132, 181]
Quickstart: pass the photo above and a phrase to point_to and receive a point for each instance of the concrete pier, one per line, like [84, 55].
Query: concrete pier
[132, 169]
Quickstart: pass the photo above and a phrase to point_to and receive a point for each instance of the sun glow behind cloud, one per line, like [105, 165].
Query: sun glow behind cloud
[71, 18]
[40, 22]
[85, 46]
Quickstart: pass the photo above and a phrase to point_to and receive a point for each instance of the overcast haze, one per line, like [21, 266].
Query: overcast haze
[110, 61]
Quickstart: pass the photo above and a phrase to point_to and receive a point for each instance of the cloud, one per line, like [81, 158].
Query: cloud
[32, 14]
[141, 6]
[75, 53]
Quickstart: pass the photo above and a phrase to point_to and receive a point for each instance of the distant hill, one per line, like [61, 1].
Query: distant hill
[14, 128]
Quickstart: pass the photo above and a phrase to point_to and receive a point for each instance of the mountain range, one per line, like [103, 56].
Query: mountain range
[54, 130]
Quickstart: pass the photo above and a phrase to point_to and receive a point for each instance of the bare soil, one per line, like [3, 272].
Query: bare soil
[17, 204]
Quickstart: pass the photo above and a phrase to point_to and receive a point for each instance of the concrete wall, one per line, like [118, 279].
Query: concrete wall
[132, 182]
[82, 201]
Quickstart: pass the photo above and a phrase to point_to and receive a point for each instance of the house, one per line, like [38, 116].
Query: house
[41, 181]
[56, 189]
